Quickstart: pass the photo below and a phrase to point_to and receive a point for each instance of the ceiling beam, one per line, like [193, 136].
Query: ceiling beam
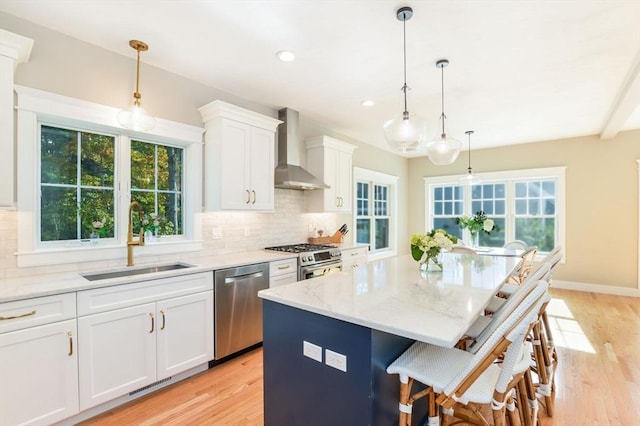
[625, 104]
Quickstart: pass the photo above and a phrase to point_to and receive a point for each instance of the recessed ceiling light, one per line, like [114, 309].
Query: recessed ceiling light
[368, 103]
[285, 56]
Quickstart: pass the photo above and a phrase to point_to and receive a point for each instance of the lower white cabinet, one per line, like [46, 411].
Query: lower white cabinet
[283, 272]
[125, 349]
[38, 374]
[117, 353]
[354, 257]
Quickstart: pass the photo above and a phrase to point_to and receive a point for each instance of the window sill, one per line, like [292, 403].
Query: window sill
[88, 252]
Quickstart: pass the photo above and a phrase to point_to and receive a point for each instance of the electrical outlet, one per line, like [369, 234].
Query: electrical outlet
[335, 360]
[312, 227]
[247, 231]
[216, 233]
[312, 351]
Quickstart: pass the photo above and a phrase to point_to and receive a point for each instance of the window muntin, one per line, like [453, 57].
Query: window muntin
[535, 213]
[156, 183]
[375, 203]
[448, 203]
[533, 203]
[77, 175]
[491, 198]
[372, 228]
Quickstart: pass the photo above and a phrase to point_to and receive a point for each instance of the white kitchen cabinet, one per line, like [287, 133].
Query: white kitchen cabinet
[239, 158]
[124, 349]
[330, 160]
[38, 364]
[117, 353]
[14, 49]
[184, 333]
[353, 257]
[283, 272]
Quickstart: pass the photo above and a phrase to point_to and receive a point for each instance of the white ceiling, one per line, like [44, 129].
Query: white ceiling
[520, 71]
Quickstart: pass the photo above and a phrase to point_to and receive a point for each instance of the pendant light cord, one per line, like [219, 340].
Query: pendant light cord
[469, 168]
[442, 87]
[404, 54]
[137, 95]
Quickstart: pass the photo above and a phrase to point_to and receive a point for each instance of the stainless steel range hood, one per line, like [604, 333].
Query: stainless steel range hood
[288, 173]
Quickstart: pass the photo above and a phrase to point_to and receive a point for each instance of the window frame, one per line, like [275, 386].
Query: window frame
[36, 107]
[509, 177]
[374, 178]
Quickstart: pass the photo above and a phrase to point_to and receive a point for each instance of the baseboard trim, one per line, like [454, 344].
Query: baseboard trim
[596, 288]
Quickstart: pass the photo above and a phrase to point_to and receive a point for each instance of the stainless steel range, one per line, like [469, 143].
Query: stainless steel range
[314, 260]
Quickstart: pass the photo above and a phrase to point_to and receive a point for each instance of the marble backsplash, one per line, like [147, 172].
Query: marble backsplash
[234, 232]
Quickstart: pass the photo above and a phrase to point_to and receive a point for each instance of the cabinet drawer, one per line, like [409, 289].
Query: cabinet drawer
[121, 296]
[285, 266]
[25, 313]
[354, 253]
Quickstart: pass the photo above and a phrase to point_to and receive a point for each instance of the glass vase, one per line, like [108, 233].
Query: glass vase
[94, 237]
[475, 239]
[430, 264]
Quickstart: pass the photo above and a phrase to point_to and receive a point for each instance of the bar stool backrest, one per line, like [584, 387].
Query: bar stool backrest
[509, 305]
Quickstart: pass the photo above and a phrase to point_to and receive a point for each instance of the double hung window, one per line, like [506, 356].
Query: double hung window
[375, 203]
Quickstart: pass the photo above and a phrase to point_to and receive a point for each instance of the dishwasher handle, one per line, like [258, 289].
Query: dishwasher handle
[231, 280]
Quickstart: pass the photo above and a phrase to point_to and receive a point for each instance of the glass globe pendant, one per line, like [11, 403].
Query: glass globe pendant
[405, 132]
[469, 178]
[136, 118]
[443, 150]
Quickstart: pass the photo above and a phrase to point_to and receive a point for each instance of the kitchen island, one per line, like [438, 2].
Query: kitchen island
[328, 340]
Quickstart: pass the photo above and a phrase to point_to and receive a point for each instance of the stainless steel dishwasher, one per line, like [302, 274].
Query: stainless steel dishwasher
[238, 310]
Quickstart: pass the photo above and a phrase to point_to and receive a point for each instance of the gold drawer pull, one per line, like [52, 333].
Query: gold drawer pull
[18, 316]
[70, 343]
[284, 266]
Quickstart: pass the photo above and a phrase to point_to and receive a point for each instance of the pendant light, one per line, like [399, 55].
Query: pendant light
[136, 118]
[470, 178]
[406, 132]
[443, 150]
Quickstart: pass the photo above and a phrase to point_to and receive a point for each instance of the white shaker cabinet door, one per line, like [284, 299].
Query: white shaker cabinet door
[235, 189]
[39, 374]
[185, 333]
[117, 353]
[262, 165]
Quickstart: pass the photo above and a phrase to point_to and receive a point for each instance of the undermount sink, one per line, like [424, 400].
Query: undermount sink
[137, 271]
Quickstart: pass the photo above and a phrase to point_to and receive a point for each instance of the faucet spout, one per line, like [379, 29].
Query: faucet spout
[130, 241]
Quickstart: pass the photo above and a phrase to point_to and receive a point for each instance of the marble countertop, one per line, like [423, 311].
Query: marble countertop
[393, 296]
[48, 284]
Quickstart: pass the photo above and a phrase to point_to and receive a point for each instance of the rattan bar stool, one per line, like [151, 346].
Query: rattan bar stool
[459, 381]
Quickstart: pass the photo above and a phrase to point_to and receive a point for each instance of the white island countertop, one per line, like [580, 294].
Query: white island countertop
[393, 296]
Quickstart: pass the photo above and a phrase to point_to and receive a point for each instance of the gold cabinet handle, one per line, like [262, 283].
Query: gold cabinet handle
[163, 319]
[153, 323]
[248, 196]
[70, 343]
[284, 266]
[254, 196]
[18, 316]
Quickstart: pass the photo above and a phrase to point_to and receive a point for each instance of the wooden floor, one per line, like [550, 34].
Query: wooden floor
[598, 378]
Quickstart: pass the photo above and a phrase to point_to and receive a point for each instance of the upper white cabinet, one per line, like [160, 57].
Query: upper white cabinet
[331, 161]
[239, 158]
[14, 49]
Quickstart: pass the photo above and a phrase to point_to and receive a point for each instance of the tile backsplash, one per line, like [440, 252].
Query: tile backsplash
[222, 232]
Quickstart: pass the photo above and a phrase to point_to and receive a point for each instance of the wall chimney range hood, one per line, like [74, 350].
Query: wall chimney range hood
[288, 173]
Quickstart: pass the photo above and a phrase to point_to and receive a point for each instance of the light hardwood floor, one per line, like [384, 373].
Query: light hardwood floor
[598, 378]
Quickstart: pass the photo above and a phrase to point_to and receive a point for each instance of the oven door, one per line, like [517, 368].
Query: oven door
[314, 271]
